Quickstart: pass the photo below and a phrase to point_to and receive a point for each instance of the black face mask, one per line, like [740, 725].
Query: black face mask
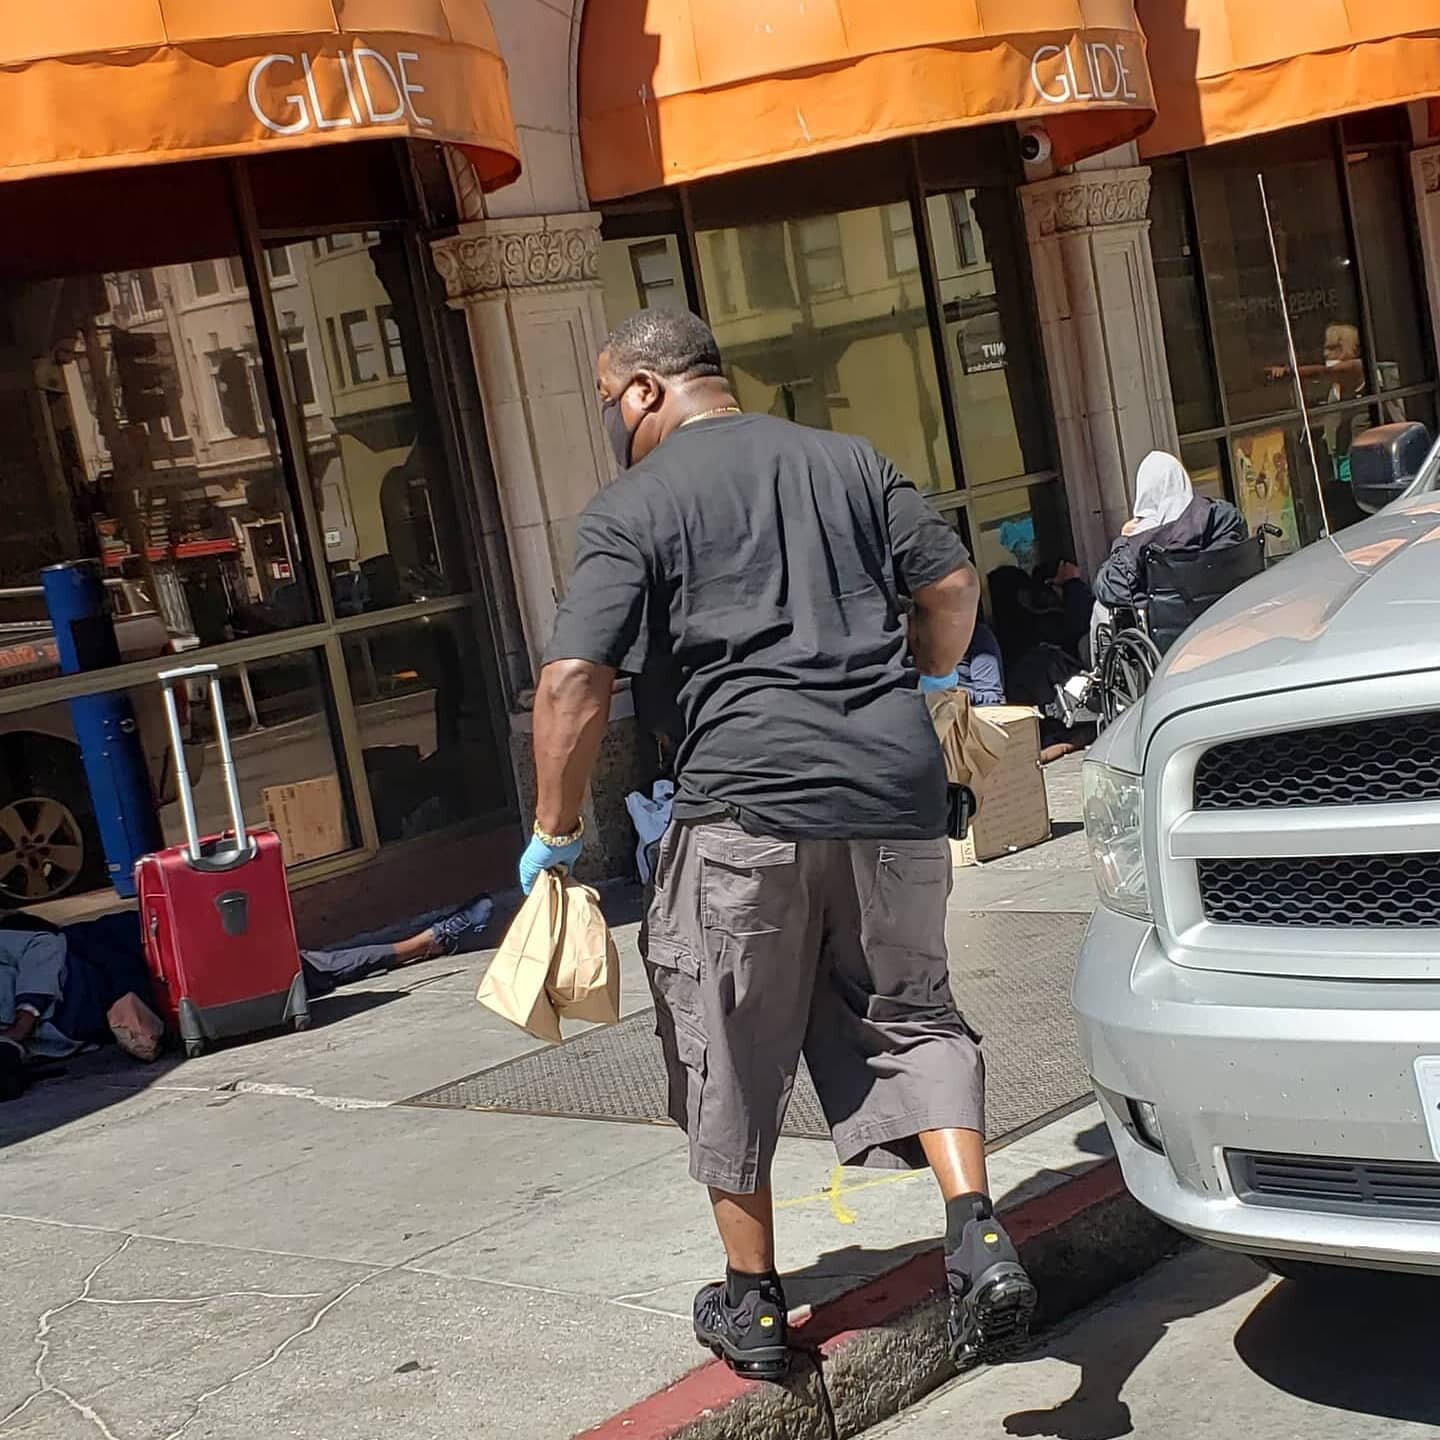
[622, 440]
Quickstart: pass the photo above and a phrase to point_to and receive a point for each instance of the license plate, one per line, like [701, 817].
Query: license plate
[1427, 1076]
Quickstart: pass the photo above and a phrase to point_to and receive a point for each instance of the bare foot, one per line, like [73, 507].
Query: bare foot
[1058, 751]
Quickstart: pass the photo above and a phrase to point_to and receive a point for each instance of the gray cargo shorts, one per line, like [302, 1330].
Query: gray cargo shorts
[760, 949]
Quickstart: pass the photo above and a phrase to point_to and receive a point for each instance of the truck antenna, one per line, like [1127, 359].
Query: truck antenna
[1294, 359]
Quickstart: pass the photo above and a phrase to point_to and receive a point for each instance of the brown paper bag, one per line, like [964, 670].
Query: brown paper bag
[557, 959]
[585, 973]
[515, 985]
[972, 745]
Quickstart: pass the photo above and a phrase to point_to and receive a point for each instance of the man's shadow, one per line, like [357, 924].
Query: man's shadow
[1108, 1356]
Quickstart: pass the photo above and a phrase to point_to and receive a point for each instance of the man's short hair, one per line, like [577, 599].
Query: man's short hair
[673, 344]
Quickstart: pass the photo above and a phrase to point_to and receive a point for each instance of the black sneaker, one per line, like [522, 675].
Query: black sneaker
[992, 1299]
[464, 927]
[751, 1337]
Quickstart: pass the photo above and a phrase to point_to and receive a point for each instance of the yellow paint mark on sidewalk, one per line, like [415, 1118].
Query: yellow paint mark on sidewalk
[833, 1195]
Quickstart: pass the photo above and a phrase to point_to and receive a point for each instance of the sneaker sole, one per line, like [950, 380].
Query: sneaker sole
[1000, 1313]
[769, 1362]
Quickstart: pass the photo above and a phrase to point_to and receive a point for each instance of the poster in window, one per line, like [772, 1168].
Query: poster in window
[981, 343]
[1263, 487]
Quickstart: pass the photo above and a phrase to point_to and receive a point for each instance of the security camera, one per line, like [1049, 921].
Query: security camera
[1034, 145]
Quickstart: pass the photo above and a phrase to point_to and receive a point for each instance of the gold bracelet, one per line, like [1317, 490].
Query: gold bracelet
[559, 842]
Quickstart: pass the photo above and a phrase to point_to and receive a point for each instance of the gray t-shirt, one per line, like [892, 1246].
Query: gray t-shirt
[762, 564]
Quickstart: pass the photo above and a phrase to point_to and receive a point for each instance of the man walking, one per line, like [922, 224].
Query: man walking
[800, 894]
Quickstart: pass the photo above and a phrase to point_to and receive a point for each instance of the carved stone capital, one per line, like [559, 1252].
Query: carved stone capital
[1086, 200]
[1430, 171]
[542, 252]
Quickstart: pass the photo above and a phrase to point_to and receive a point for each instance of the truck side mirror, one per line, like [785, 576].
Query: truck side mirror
[1384, 462]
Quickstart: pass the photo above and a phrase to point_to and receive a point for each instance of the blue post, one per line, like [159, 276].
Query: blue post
[105, 726]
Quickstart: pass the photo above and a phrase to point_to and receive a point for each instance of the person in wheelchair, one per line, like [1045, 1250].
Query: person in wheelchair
[1177, 554]
[1168, 516]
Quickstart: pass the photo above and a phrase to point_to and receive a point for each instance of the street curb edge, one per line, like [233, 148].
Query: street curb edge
[879, 1348]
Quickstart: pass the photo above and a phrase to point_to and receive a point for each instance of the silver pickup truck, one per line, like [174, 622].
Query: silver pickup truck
[1259, 993]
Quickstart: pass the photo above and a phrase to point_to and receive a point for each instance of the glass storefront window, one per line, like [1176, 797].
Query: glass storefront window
[642, 274]
[1262, 459]
[1307, 210]
[425, 727]
[135, 428]
[1378, 182]
[382, 487]
[1020, 526]
[1205, 460]
[819, 321]
[280, 731]
[999, 409]
[137, 372]
[1182, 310]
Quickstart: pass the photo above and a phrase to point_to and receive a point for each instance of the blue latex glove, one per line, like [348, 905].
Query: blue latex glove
[539, 856]
[929, 684]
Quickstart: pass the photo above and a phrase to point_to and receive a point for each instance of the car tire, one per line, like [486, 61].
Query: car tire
[49, 840]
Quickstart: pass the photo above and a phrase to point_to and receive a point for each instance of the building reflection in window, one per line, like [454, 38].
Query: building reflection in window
[352, 337]
[641, 274]
[138, 398]
[999, 401]
[822, 320]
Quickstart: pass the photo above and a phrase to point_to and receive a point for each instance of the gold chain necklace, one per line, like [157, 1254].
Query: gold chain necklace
[709, 415]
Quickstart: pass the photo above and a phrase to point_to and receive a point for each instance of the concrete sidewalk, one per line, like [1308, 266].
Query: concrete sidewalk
[269, 1241]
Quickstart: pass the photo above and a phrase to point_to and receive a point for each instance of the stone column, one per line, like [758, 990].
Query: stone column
[1425, 168]
[1089, 239]
[530, 291]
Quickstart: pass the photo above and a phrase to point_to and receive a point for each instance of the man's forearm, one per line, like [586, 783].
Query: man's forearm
[944, 622]
[572, 709]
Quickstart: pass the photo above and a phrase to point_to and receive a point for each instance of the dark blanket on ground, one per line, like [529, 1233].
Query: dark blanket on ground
[104, 960]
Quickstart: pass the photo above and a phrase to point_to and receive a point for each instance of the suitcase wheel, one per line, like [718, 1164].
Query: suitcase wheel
[302, 1022]
[194, 1049]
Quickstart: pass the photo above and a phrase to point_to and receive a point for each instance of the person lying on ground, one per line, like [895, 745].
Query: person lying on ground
[58, 983]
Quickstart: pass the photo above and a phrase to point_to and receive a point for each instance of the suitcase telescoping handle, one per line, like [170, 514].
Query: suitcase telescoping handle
[168, 681]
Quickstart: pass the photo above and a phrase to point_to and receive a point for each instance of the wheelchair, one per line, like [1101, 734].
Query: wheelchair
[1176, 588]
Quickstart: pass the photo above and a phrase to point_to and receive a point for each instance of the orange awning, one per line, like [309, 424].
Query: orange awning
[1224, 69]
[675, 90]
[86, 84]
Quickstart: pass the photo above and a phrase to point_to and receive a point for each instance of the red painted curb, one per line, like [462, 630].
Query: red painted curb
[832, 1326]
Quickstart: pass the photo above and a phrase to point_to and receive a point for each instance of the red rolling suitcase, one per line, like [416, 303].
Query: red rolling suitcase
[219, 933]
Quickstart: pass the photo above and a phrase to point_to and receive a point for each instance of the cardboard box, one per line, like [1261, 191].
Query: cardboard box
[1014, 811]
[308, 817]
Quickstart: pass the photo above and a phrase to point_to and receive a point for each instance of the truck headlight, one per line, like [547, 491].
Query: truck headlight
[1112, 828]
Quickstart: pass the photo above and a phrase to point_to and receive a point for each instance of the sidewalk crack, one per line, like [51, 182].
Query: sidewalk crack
[46, 1324]
[43, 1327]
[310, 1326]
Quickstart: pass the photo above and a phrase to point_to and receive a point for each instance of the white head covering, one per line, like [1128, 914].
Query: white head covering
[1162, 492]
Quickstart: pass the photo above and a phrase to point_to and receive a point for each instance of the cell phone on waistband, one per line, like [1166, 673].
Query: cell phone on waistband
[960, 810]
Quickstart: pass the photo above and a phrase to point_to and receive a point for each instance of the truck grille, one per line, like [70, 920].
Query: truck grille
[1307, 1182]
[1368, 762]
[1381, 892]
